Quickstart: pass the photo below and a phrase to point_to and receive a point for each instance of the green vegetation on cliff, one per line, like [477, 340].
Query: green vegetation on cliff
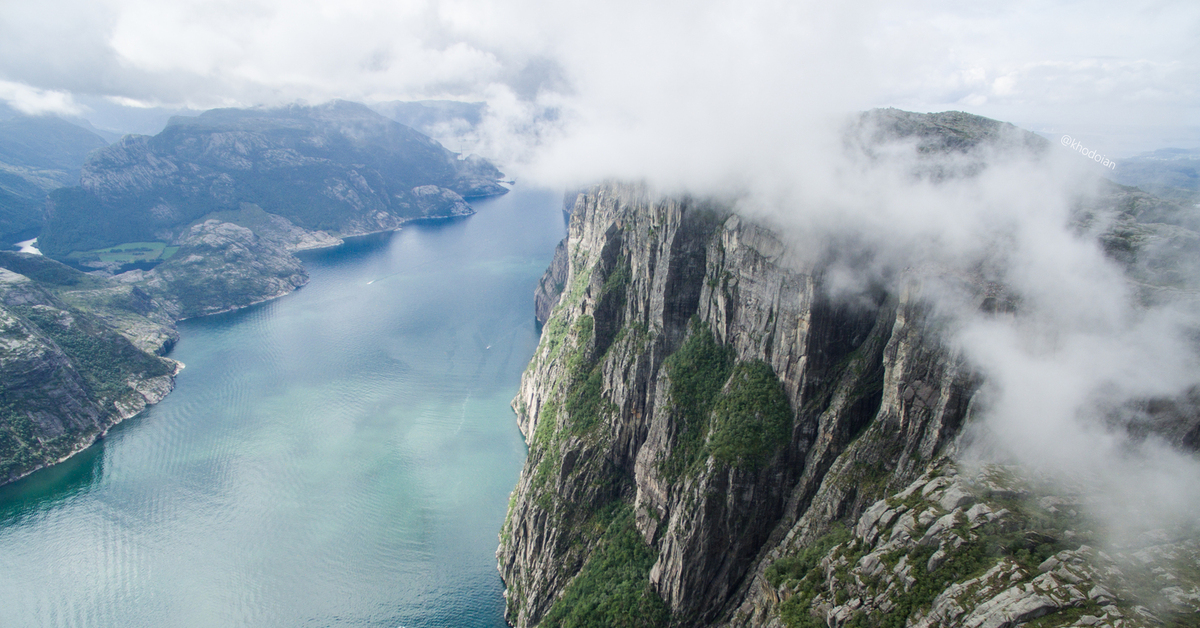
[736, 412]
[801, 565]
[51, 401]
[580, 407]
[805, 569]
[752, 419]
[21, 450]
[698, 371]
[613, 589]
[105, 359]
[77, 354]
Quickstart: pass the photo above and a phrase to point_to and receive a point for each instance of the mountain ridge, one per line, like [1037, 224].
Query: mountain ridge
[338, 167]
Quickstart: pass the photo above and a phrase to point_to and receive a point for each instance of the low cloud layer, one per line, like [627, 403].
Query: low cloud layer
[1113, 73]
[1069, 369]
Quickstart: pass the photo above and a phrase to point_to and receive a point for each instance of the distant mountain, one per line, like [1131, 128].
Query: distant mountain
[435, 118]
[108, 135]
[1172, 173]
[338, 167]
[209, 212]
[37, 154]
[47, 143]
[21, 207]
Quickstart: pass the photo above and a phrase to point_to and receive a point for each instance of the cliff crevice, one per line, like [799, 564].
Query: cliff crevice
[689, 373]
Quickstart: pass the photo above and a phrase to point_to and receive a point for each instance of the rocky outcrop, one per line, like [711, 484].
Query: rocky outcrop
[69, 374]
[221, 266]
[981, 548]
[283, 233]
[438, 202]
[679, 325]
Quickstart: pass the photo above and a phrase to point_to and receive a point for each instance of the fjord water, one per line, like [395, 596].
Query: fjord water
[341, 456]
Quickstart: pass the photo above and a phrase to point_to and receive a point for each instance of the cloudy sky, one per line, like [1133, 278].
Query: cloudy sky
[1122, 75]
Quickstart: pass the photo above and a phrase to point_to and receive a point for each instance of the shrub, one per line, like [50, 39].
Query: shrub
[613, 588]
[753, 419]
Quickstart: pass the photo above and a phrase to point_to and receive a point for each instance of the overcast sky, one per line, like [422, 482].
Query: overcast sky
[1120, 74]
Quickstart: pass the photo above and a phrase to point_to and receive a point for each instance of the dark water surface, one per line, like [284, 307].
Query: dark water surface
[338, 457]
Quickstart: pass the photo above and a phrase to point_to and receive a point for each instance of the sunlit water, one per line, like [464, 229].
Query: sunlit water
[338, 457]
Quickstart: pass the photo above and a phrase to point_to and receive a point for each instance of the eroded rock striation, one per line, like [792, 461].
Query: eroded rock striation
[691, 376]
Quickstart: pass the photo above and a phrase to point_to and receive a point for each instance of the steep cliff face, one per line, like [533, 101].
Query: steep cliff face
[690, 376]
[701, 406]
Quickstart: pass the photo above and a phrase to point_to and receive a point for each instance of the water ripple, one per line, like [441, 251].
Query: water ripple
[341, 456]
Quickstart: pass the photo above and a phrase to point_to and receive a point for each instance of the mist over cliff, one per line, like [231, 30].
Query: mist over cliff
[889, 197]
[934, 294]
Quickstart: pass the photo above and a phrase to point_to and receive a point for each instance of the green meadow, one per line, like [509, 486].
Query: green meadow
[130, 252]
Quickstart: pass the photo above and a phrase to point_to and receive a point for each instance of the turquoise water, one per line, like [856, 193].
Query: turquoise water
[341, 456]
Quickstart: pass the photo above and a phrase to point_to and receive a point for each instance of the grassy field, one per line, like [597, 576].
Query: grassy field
[131, 252]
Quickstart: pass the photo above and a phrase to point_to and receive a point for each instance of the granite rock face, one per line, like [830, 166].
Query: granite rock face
[697, 384]
[650, 283]
[551, 285]
[221, 266]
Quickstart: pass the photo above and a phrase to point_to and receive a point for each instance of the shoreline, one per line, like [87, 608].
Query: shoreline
[119, 417]
[342, 241]
[28, 246]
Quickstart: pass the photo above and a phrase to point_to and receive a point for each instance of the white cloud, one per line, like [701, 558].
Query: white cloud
[1106, 63]
[34, 101]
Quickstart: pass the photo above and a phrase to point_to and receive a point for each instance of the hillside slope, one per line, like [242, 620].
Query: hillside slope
[37, 154]
[78, 354]
[338, 167]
